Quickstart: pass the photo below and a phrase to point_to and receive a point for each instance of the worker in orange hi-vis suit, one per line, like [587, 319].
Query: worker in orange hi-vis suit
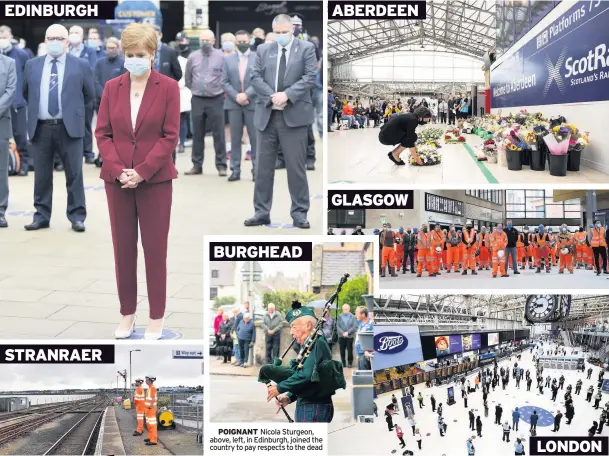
[454, 244]
[150, 406]
[140, 410]
[469, 254]
[399, 249]
[565, 243]
[543, 241]
[437, 245]
[499, 243]
[553, 248]
[598, 242]
[461, 251]
[520, 250]
[525, 238]
[581, 248]
[424, 254]
[534, 248]
[484, 246]
[444, 252]
[388, 258]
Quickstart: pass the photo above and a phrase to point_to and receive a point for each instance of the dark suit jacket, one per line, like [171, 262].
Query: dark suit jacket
[231, 81]
[148, 150]
[77, 90]
[90, 55]
[168, 62]
[299, 79]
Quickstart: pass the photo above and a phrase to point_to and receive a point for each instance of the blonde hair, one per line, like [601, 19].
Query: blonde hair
[227, 37]
[140, 34]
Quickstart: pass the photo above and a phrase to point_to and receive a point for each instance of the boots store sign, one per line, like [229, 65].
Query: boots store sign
[396, 345]
[566, 61]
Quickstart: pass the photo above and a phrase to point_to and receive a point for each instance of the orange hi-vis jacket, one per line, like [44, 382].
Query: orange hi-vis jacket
[597, 237]
[469, 237]
[580, 237]
[151, 397]
[484, 237]
[453, 239]
[564, 240]
[423, 241]
[542, 239]
[520, 240]
[437, 239]
[499, 241]
[139, 397]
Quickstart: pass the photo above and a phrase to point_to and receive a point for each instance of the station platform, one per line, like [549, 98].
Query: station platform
[110, 436]
[357, 156]
[61, 284]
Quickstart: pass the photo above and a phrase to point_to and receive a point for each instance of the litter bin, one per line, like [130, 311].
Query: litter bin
[538, 155]
[574, 160]
[514, 160]
[558, 164]
[362, 393]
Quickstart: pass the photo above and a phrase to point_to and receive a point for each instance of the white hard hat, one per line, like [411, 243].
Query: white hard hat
[438, 249]
[501, 253]
[565, 251]
[296, 20]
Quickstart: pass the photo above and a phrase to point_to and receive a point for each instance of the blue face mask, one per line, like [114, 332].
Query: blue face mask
[93, 44]
[509, 226]
[499, 230]
[401, 230]
[296, 31]
[137, 65]
[55, 48]
[228, 46]
[283, 39]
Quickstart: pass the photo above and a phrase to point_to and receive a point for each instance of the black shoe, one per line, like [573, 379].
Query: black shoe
[136, 433]
[3, 222]
[23, 171]
[150, 444]
[395, 162]
[36, 225]
[146, 440]
[474, 273]
[234, 177]
[79, 227]
[279, 165]
[59, 167]
[194, 171]
[302, 224]
[464, 272]
[516, 272]
[310, 166]
[89, 160]
[505, 275]
[253, 221]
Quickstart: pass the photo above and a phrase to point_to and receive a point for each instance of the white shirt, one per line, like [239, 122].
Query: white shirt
[136, 102]
[288, 50]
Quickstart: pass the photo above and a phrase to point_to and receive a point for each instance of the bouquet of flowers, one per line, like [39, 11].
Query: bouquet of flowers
[430, 142]
[558, 139]
[579, 139]
[450, 139]
[428, 154]
[514, 140]
[490, 150]
[430, 133]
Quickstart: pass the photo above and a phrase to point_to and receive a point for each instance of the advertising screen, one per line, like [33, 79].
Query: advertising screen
[396, 345]
[471, 342]
[493, 339]
[448, 345]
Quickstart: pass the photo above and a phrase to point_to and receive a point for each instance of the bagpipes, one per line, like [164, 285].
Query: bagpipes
[330, 371]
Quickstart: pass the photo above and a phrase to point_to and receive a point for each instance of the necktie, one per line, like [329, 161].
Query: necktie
[242, 67]
[281, 74]
[54, 90]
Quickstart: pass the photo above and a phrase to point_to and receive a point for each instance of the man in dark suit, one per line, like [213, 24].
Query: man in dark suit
[283, 76]
[79, 49]
[240, 100]
[8, 90]
[166, 59]
[18, 108]
[57, 87]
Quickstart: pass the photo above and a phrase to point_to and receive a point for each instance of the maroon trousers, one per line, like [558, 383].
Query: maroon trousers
[150, 206]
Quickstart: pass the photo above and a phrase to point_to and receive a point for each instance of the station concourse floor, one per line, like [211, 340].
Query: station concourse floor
[528, 279]
[55, 283]
[357, 156]
[374, 439]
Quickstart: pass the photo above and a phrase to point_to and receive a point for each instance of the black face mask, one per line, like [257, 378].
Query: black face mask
[183, 47]
[243, 47]
[329, 91]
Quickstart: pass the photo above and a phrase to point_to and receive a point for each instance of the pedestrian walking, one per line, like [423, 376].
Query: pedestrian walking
[506, 432]
[420, 399]
[498, 412]
[400, 434]
[418, 438]
[433, 403]
[472, 419]
[515, 418]
[479, 426]
[534, 419]
[557, 419]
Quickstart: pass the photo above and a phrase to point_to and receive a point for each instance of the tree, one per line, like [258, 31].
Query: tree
[352, 292]
[283, 299]
[224, 301]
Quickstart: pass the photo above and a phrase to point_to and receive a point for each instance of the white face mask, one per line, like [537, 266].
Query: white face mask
[75, 39]
[5, 43]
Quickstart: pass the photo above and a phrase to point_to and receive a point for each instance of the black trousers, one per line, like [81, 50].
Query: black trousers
[48, 139]
[451, 118]
[602, 253]
[346, 344]
[19, 121]
[88, 139]
[272, 346]
[443, 117]
[408, 255]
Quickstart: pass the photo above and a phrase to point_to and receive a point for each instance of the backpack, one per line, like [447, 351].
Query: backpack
[14, 159]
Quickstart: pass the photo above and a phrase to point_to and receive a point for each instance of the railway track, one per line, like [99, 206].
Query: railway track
[38, 409]
[19, 425]
[81, 438]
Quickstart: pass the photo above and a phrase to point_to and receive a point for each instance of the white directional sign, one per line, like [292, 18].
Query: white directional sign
[187, 354]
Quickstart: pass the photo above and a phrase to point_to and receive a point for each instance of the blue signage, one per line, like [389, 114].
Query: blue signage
[566, 62]
[138, 11]
[396, 345]
[390, 343]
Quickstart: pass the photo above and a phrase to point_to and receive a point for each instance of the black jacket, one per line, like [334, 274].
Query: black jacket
[512, 236]
[168, 62]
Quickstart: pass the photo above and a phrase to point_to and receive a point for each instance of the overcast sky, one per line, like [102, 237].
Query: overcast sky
[288, 268]
[152, 360]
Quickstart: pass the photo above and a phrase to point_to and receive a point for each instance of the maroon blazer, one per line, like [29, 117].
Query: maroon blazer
[148, 150]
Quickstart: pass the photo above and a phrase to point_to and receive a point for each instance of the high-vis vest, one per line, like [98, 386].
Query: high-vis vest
[581, 237]
[151, 397]
[564, 240]
[469, 236]
[483, 237]
[423, 241]
[597, 238]
[499, 240]
[437, 238]
[387, 238]
[139, 397]
[520, 241]
[542, 239]
[453, 238]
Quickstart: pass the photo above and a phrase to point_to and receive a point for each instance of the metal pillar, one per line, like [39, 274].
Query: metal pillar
[591, 206]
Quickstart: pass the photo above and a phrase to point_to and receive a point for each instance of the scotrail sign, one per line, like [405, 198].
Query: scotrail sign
[566, 62]
[187, 354]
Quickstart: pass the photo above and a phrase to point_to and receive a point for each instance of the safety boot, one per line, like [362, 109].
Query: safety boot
[392, 272]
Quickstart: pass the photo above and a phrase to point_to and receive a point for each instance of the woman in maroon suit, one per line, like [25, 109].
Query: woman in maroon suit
[137, 131]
